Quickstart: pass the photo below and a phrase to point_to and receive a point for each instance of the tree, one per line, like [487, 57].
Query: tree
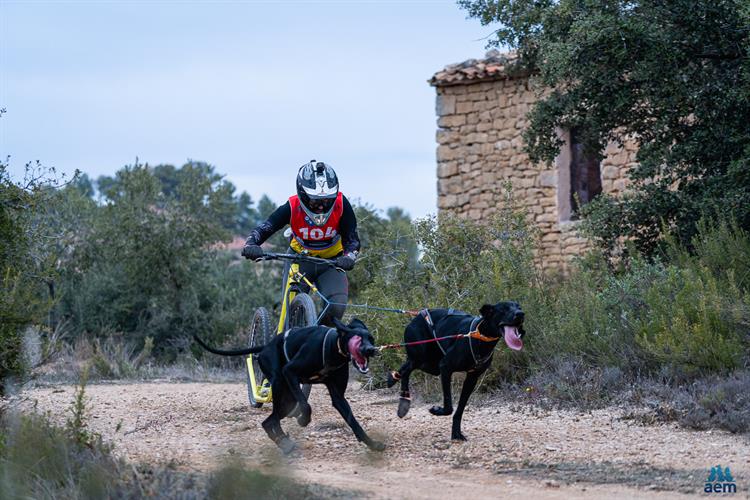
[277, 242]
[388, 245]
[84, 185]
[236, 212]
[15, 287]
[266, 206]
[26, 264]
[673, 76]
[247, 215]
[137, 264]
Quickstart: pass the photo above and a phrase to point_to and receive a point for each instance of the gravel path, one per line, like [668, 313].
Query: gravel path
[511, 450]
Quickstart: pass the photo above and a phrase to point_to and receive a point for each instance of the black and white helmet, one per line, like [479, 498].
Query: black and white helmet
[317, 188]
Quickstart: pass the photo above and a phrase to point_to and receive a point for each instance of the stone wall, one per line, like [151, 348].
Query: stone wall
[480, 148]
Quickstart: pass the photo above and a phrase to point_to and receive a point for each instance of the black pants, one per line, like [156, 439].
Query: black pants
[331, 283]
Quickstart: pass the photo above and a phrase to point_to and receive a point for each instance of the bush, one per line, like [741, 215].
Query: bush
[235, 480]
[709, 402]
[570, 380]
[25, 266]
[694, 321]
[145, 262]
[723, 403]
[587, 317]
[721, 247]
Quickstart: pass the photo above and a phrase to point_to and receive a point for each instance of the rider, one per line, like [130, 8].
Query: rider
[323, 225]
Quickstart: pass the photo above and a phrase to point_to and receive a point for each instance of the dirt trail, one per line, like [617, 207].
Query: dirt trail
[511, 450]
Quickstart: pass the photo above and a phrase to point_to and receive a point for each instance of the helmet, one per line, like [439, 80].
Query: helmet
[317, 188]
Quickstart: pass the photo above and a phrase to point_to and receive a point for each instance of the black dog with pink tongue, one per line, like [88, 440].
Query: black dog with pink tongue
[311, 355]
[445, 357]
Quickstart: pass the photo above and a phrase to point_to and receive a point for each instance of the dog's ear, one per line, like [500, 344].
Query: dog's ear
[486, 311]
[341, 327]
[357, 323]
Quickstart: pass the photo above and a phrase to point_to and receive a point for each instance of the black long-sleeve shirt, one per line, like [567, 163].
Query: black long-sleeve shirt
[283, 215]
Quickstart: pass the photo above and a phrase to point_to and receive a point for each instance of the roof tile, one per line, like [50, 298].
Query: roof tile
[495, 66]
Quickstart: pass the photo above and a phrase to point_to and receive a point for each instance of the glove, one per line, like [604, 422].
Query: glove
[252, 251]
[346, 262]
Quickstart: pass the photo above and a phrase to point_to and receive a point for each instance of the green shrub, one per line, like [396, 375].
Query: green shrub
[26, 266]
[694, 321]
[720, 246]
[38, 460]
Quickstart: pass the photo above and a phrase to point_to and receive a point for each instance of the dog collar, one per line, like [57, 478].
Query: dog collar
[476, 334]
[345, 353]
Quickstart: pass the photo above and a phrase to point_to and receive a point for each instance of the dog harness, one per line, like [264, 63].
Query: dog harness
[325, 365]
[479, 362]
[471, 334]
[425, 313]
[286, 354]
[326, 369]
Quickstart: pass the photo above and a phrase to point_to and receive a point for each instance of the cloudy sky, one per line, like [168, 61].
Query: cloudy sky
[254, 88]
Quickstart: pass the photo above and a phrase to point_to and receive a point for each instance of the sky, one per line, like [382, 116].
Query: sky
[254, 88]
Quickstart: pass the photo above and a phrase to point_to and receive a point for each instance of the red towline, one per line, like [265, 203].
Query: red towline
[475, 335]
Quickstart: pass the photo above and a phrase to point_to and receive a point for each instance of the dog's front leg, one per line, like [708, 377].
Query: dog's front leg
[403, 374]
[469, 384]
[445, 379]
[293, 381]
[342, 405]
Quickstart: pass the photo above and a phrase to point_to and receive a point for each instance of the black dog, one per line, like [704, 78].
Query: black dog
[311, 355]
[444, 357]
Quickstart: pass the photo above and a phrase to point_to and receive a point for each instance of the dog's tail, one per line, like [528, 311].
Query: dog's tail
[234, 352]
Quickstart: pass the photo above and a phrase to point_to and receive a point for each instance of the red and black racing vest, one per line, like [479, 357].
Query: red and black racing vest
[322, 241]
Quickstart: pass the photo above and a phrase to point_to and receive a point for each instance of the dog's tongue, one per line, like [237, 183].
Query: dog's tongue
[354, 344]
[512, 338]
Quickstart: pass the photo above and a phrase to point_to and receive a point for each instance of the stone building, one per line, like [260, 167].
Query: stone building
[481, 108]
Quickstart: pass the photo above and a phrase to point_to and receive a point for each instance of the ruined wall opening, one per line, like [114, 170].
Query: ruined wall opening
[579, 176]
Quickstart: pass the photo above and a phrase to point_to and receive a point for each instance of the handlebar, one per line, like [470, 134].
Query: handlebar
[296, 257]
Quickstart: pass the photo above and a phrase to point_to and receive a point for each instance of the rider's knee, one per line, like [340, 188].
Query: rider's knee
[333, 312]
[338, 311]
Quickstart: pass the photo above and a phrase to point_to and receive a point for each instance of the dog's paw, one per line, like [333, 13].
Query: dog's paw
[295, 412]
[403, 407]
[376, 446]
[392, 378]
[440, 411]
[287, 445]
[303, 419]
[458, 436]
